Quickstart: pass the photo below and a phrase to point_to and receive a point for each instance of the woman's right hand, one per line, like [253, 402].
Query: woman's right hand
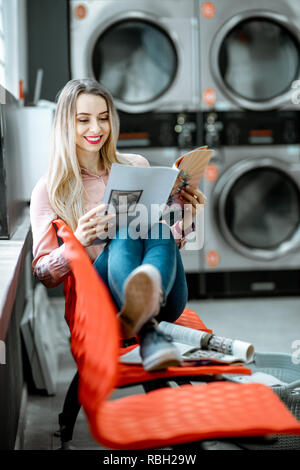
[91, 226]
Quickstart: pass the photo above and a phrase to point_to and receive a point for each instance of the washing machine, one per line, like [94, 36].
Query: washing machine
[144, 51]
[249, 54]
[252, 215]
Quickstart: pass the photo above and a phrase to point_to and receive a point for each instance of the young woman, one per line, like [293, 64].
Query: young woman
[144, 276]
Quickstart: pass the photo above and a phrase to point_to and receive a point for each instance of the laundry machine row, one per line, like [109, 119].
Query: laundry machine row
[189, 55]
[189, 72]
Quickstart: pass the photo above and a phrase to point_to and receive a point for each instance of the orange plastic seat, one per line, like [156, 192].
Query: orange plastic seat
[190, 413]
[161, 417]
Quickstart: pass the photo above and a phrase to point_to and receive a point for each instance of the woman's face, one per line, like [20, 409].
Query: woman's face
[92, 123]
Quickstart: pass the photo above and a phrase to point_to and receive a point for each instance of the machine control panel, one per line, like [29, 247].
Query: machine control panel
[160, 130]
[251, 128]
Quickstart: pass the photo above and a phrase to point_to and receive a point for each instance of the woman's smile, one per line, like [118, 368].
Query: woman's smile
[93, 140]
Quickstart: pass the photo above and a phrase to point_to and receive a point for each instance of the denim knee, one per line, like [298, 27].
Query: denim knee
[175, 305]
[177, 299]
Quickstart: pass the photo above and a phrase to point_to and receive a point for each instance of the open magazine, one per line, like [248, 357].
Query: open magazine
[132, 188]
[200, 346]
[191, 168]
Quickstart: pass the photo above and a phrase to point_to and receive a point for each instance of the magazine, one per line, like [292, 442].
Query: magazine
[138, 188]
[200, 347]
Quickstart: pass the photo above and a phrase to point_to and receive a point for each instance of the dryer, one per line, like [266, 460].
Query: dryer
[144, 51]
[249, 54]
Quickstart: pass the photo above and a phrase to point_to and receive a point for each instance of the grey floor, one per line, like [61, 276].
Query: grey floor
[271, 324]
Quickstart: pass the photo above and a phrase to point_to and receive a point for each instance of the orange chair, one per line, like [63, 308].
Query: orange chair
[162, 417]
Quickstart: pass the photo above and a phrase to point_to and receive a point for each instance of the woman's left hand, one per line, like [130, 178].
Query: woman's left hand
[194, 200]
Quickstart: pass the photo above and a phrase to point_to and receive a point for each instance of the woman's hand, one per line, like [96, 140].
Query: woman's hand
[194, 200]
[91, 226]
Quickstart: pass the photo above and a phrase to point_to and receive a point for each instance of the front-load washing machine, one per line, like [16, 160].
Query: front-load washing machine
[144, 51]
[252, 185]
[249, 54]
[252, 218]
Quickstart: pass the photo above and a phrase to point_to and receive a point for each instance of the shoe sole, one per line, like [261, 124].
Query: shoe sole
[162, 360]
[137, 309]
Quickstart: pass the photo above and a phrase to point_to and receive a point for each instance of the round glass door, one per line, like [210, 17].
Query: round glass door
[259, 59]
[262, 209]
[136, 60]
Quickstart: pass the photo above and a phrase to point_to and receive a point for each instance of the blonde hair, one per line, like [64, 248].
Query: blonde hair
[64, 181]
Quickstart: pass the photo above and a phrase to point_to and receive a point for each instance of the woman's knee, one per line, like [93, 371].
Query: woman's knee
[175, 302]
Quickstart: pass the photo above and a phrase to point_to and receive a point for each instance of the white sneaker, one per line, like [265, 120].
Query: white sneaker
[142, 299]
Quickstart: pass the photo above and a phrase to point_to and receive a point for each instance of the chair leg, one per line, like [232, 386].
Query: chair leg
[67, 418]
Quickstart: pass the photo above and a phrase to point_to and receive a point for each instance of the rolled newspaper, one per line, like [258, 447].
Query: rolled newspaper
[183, 334]
[203, 340]
[235, 347]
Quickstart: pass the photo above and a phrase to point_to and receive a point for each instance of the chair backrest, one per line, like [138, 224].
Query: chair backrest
[96, 355]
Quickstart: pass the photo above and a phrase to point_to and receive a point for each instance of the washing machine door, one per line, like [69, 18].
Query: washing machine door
[257, 203]
[256, 60]
[137, 60]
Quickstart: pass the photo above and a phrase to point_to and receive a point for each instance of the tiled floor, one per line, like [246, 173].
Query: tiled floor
[270, 324]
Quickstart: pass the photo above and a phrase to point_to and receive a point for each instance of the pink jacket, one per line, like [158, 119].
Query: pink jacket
[49, 263]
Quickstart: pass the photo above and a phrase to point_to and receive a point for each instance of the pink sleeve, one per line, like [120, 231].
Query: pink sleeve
[49, 264]
[141, 161]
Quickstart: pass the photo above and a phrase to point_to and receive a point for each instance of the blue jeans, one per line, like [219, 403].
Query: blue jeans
[123, 254]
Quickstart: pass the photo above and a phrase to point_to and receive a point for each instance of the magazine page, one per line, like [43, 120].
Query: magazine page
[192, 166]
[138, 192]
[133, 356]
[200, 355]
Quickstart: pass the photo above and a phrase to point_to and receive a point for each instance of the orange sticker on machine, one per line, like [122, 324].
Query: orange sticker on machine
[212, 258]
[211, 173]
[208, 9]
[80, 12]
[209, 96]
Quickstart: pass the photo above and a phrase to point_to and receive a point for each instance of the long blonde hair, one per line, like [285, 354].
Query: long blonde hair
[64, 182]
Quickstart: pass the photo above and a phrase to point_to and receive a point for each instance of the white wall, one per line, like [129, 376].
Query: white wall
[15, 40]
